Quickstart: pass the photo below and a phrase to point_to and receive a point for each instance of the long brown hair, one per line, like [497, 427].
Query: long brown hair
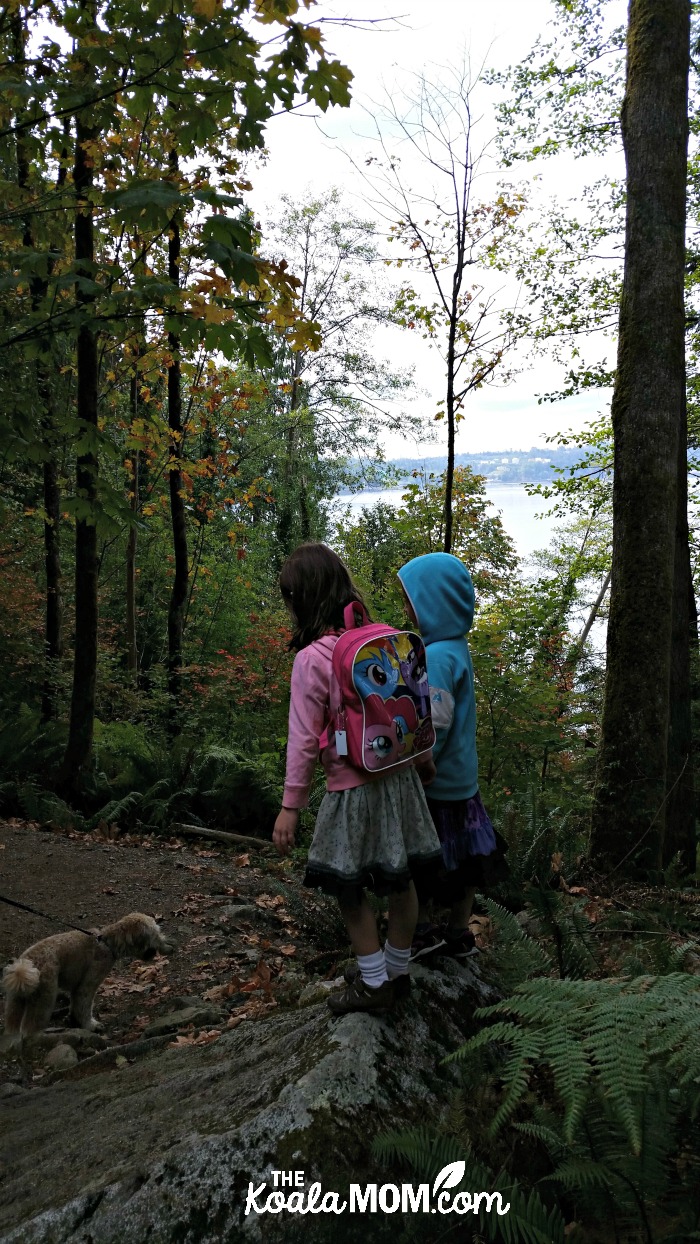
[317, 586]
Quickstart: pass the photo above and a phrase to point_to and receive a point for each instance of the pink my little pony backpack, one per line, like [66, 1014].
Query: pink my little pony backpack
[382, 714]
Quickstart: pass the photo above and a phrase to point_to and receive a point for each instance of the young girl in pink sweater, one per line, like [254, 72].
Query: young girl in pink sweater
[372, 831]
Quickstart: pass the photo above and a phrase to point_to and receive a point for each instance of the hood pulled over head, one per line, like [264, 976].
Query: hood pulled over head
[440, 589]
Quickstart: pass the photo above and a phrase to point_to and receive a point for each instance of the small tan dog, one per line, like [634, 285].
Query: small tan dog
[74, 963]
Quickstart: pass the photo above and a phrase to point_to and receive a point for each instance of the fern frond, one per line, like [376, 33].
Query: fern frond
[528, 1220]
[580, 1172]
[526, 1047]
[119, 810]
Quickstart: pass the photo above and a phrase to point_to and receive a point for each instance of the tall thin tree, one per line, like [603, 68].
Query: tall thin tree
[423, 183]
[178, 594]
[78, 755]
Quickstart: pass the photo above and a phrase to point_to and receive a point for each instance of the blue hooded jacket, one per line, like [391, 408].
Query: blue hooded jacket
[441, 593]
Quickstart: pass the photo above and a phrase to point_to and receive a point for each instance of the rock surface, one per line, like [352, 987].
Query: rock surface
[61, 1058]
[161, 1151]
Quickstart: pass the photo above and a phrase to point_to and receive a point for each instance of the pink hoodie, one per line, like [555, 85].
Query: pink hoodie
[314, 690]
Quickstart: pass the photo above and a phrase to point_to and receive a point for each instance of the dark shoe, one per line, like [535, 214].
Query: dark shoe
[461, 947]
[356, 996]
[426, 942]
[402, 984]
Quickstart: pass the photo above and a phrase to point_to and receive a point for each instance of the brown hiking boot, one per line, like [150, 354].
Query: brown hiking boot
[402, 984]
[356, 996]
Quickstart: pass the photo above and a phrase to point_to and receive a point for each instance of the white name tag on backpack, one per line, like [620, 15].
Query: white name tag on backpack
[341, 742]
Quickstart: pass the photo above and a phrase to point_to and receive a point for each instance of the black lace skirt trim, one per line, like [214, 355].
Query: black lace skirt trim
[375, 877]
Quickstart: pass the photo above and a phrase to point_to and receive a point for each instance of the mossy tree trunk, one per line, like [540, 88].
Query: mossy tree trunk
[178, 595]
[648, 414]
[680, 808]
[78, 757]
[132, 652]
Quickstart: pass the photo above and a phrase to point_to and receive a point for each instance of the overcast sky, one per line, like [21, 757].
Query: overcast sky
[426, 35]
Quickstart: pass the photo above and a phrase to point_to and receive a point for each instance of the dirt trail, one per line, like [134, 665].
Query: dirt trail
[243, 926]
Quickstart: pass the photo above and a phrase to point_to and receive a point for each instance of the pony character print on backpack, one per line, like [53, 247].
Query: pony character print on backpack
[380, 698]
[390, 677]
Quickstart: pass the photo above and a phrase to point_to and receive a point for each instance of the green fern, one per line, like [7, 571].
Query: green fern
[515, 955]
[568, 929]
[623, 1058]
[624, 1030]
[528, 1221]
[122, 811]
[44, 806]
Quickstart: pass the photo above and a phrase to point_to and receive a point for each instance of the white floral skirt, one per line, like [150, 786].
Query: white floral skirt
[378, 836]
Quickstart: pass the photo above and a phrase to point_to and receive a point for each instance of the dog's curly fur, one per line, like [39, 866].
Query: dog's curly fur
[74, 963]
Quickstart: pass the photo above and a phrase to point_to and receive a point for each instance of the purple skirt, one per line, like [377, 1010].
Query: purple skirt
[472, 854]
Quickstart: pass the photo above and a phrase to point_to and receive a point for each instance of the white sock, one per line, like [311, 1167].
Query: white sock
[396, 960]
[372, 969]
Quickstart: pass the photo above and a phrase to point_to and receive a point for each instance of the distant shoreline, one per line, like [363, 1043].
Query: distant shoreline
[517, 466]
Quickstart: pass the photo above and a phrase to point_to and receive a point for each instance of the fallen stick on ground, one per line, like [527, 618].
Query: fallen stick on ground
[134, 1049]
[219, 835]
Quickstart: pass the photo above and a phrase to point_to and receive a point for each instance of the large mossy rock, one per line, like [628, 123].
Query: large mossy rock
[161, 1151]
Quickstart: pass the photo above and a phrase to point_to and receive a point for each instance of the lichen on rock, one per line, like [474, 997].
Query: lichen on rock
[163, 1151]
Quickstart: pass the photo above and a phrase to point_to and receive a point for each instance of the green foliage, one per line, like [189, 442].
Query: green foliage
[515, 956]
[154, 786]
[566, 93]
[382, 539]
[537, 699]
[603, 1076]
[529, 1220]
[27, 748]
[534, 830]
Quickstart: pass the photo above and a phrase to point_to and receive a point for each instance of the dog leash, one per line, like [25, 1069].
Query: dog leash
[12, 902]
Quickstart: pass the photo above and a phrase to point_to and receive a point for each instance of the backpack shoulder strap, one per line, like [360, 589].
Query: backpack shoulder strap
[355, 615]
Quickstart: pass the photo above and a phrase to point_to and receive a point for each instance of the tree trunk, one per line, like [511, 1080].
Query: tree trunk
[53, 634]
[289, 501]
[132, 653]
[450, 408]
[630, 802]
[178, 596]
[680, 806]
[78, 755]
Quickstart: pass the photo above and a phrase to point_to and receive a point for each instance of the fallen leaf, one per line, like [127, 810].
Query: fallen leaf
[241, 861]
[288, 950]
[269, 901]
[206, 1038]
[182, 1039]
[262, 971]
[218, 993]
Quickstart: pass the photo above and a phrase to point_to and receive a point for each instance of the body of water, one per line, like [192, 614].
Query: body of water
[518, 511]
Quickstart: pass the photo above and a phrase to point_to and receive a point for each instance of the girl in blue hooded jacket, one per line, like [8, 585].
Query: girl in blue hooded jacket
[440, 598]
